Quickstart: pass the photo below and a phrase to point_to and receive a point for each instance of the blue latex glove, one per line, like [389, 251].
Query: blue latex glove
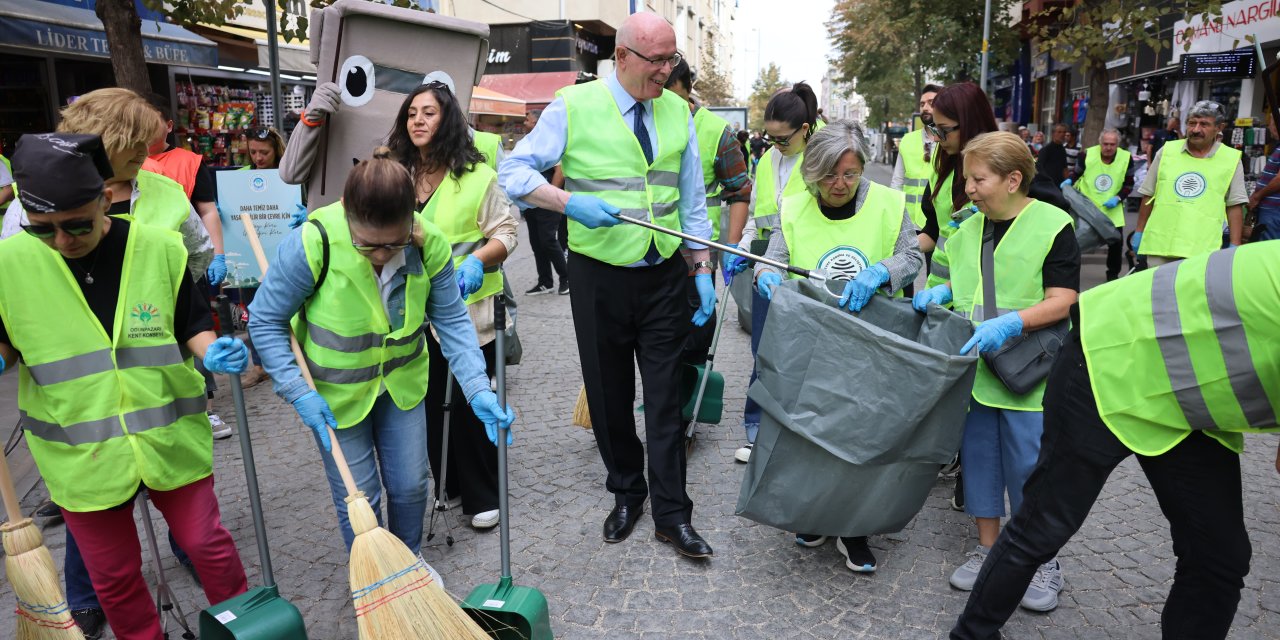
[939, 295]
[993, 333]
[217, 271]
[298, 216]
[470, 275]
[1112, 202]
[860, 289]
[227, 355]
[1135, 240]
[591, 212]
[1066, 183]
[766, 282]
[707, 296]
[485, 406]
[729, 265]
[2, 365]
[317, 415]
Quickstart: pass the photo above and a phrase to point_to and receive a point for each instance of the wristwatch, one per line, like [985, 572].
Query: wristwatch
[703, 264]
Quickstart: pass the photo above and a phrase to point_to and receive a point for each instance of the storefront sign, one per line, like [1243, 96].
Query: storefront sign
[499, 57]
[1118, 62]
[50, 37]
[1228, 64]
[1260, 18]
[270, 204]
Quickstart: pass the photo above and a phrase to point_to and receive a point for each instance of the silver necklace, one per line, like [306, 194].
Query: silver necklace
[88, 274]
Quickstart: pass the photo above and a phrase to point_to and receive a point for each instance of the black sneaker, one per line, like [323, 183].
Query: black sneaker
[957, 498]
[564, 289]
[92, 622]
[857, 555]
[48, 514]
[540, 289]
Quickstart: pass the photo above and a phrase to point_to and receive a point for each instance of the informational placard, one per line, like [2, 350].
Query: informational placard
[1240, 63]
[269, 202]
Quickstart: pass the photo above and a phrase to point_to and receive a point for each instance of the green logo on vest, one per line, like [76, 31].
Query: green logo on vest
[1190, 185]
[843, 263]
[145, 312]
[146, 321]
[1102, 183]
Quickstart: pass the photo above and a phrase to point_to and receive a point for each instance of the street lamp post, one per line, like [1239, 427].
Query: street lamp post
[986, 35]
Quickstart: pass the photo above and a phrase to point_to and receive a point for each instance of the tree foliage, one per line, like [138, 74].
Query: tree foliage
[714, 87]
[767, 83]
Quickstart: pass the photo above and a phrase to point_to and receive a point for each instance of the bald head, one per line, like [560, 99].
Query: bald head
[644, 28]
[646, 46]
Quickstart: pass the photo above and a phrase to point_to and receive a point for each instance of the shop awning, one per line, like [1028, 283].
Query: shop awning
[1147, 74]
[533, 88]
[489, 102]
[45, 26]
[294, 56]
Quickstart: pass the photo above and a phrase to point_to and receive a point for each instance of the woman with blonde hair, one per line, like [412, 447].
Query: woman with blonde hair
[1036, 278]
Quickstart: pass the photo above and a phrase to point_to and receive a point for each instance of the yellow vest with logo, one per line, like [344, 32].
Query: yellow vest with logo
[161, 202]
[488, 144]
[843, 248]
[1102, 181]
[455, 209]
[102, 415]
[1189, 203]
[1019, 280]
[917, 171]
[766, 213]
[1189, 346]
[603, 158]
[710, 127]
[344, 331]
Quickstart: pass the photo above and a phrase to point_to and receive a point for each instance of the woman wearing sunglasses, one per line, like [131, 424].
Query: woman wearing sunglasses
[858, 232]
[457, 191]
[790, 117]
[357, 285]
[961, 112]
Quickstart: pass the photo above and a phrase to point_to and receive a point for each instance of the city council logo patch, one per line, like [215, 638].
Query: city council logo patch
[1189, 185]
[145, 312]
[146, 321]
[843, 263]
[1102, 183]
[258, 184]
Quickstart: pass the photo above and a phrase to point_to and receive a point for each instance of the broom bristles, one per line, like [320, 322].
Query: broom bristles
[581, 412]
[393, 591]
[42, 611]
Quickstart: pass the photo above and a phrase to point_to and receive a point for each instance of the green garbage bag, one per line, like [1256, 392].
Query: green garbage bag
[859, 412]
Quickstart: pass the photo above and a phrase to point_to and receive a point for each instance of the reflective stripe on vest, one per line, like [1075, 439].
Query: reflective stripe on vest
[87, 364]
[1187, 346]
[766, 192]
[455, 209]
[1190, 202]
[103, 429]
[1101, 181]
[602, 157]
[842, 248]
[709, 128]
[917, 171]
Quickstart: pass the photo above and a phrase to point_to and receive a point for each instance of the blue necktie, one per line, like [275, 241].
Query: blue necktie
[642, 133]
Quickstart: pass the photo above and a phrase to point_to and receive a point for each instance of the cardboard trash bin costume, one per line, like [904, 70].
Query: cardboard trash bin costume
[859, 412]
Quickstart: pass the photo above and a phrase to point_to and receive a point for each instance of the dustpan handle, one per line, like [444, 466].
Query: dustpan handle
[500, 369]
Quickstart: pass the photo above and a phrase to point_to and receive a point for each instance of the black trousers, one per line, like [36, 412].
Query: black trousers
[544, 229]
[1197, 484]
[1115, 256]
[473, 460]
[623, 315]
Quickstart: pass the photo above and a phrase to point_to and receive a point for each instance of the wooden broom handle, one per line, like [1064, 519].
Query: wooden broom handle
[11, 505]
[339, 460]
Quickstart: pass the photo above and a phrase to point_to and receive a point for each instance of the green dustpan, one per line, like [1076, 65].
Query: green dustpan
[260, 613]
[505, 610]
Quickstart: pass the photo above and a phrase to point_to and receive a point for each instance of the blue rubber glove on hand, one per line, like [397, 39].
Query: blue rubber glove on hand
[470, 275]
[1066, 183]
[1135, 240]
[217, 271]
[298, 216]
[993, 333]
[1112, 202]
[2, 365]
[707, 296]
[227, 355]
[317, 415]
[591, 212]
[766, 282]
[728, 265]
[858, 291]
[485, 406]
[939, 295]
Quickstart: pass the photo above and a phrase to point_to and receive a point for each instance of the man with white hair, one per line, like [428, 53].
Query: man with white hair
[1105, 176]
[1189, 189]
[628, 148]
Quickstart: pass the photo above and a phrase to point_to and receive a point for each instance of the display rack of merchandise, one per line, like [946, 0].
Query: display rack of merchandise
[213, 120]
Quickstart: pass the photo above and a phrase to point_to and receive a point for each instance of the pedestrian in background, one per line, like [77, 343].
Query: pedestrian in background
[914, 169]
[1052, 160]
[1266, 197]
[1037, 143]
[1105, 176]
[266, 147]
[544, 225]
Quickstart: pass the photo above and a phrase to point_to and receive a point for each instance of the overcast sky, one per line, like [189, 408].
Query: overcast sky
[796, 41]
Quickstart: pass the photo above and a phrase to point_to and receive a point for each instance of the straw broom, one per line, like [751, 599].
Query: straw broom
[394, 594]
[581, 413]
[43, 613]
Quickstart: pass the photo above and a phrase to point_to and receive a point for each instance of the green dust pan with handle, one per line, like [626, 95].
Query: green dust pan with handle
[260, 613]
[504, 610]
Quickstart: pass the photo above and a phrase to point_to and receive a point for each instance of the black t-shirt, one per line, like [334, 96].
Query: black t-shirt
[205, 190]
[843, 212]
[1053, 161]
[105, 264]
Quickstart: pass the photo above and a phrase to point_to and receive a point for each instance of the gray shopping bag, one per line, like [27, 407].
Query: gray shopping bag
[859, 411]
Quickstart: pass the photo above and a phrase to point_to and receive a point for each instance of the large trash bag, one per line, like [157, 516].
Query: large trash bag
[1094, 229]
[741, 290]
[859, 412]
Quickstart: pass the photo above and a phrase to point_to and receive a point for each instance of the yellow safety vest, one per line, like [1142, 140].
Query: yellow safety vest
[603, 158]
[102, 415]
[161, 202]
[766, 214]
[455, 209]
[1189, 203]
[1102, 181]
[917, 172]
[710, 128]
[344, 331]
[488, 144]
[842, 248]
[1189, 346]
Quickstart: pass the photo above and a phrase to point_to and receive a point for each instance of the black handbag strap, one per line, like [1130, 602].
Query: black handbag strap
[988, 271]
[324, 253]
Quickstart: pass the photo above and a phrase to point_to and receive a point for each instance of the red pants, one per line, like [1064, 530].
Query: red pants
[113, 555]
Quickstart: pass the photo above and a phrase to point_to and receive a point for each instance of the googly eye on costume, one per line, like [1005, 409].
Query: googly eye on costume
[357, 79]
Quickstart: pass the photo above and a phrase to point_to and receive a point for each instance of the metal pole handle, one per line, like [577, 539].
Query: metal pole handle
[500, 372]
[816, 276]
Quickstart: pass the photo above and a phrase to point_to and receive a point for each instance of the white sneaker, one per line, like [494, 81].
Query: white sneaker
[743, 454]
[1042, 593]
[486, 520]
[221, 430]
[967, 574]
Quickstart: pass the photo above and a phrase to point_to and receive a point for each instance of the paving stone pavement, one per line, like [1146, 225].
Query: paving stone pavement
[759, 584]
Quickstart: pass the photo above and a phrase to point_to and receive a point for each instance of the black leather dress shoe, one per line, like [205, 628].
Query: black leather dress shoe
[620, 522]
[686, 541]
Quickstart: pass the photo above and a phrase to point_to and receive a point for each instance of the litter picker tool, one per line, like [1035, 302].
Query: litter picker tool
[42, 611]
[506, 611]
[394, 592]
[705, 373]
[442, 495]
[259, 612]
[166, 602]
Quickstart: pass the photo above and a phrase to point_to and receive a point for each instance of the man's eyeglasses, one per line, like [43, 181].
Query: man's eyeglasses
[674, 59]
[71, 228]
[849, 178]
[941, 132]
[783, 141]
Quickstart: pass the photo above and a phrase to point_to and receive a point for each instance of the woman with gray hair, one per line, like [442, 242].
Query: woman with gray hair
[855, 230]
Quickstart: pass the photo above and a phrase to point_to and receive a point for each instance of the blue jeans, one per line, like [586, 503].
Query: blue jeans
[751, 411]
[999, 449]
[1270, 217]
[399, 438]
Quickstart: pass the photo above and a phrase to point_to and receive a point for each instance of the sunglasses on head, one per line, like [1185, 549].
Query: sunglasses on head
[260, 134]
[71, 228]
